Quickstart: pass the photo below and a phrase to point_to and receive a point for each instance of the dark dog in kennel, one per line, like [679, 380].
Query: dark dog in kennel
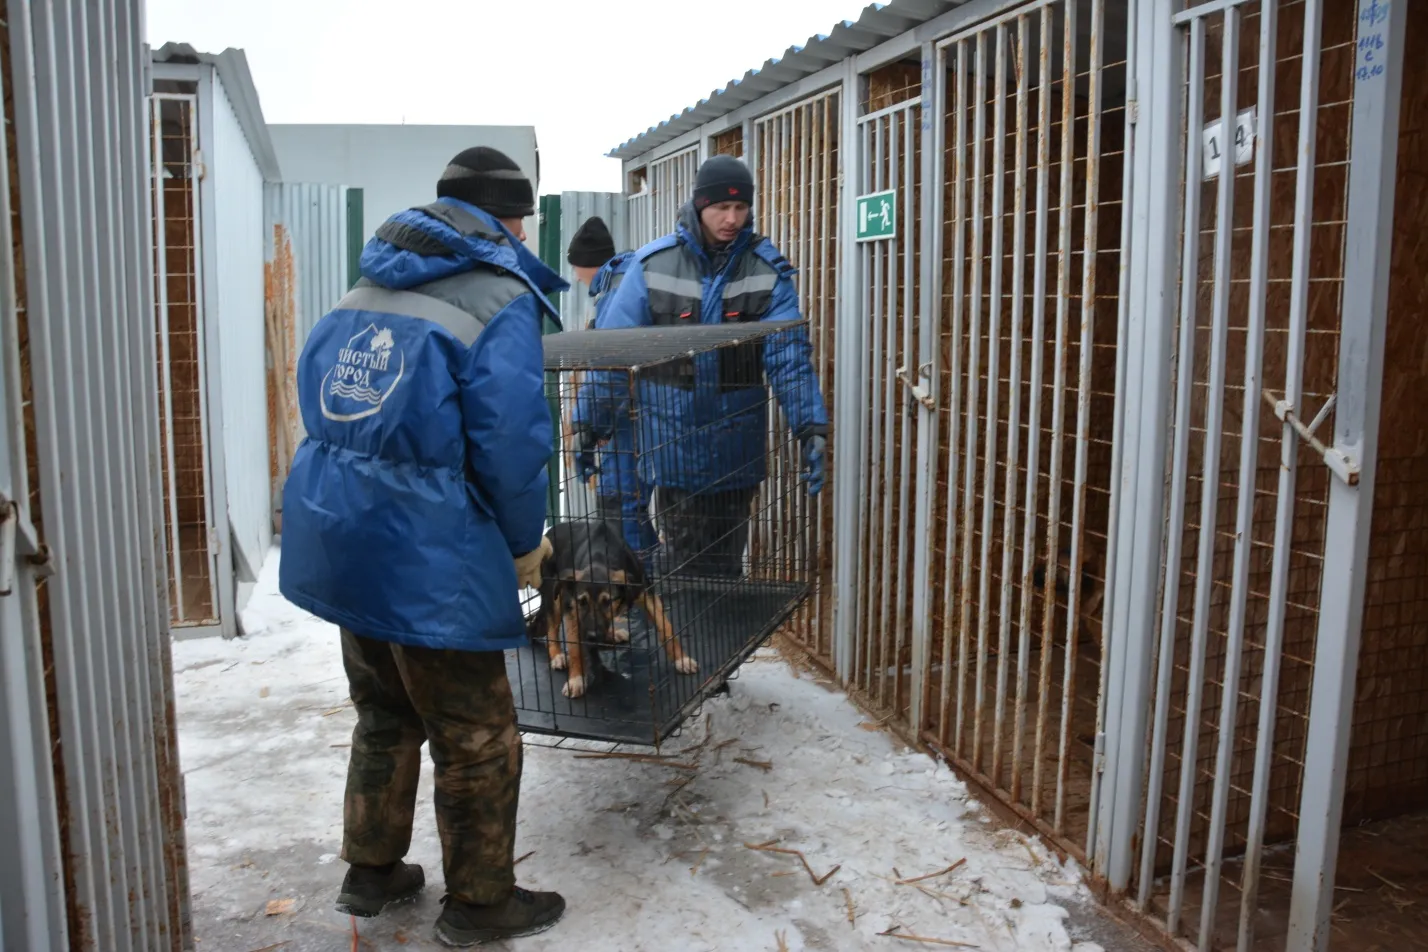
[589, 583]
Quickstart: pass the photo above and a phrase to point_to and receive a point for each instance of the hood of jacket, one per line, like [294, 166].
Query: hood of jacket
[400, 269]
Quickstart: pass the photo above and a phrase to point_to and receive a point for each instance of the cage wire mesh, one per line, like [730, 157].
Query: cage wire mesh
[182, 405]
[691, 551]
[728, 142]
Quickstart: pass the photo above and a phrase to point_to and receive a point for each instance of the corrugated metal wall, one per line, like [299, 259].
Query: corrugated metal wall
[80, 337]
[314, 219]
[307, 272]
[238, 309]
[576, 309]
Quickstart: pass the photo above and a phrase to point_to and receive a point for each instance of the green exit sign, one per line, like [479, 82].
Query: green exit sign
[877, 215]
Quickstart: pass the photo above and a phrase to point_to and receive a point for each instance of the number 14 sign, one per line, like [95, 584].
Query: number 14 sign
[1214, 145]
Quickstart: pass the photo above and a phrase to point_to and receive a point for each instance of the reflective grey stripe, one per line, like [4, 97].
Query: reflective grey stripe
[668, 283]
[462, 326]
[757, 282]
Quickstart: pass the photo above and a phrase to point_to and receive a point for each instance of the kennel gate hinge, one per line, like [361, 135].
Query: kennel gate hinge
[1342, 465]
[919, 392]
[1098, 757]
[19, 539]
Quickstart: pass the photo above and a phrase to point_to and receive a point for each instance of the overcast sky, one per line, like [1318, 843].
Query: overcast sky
[588, 75]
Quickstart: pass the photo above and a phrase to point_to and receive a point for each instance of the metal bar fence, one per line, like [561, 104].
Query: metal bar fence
[1024, 480]
[1268, 129]
[795, 158]
[889, 162]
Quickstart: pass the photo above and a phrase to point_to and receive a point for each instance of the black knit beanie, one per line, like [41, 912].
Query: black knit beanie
[489, 180]
[723, 179]
[592, 245]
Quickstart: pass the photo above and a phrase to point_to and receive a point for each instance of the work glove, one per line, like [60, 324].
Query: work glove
[528, 565]
[585, 466]
[813, 457]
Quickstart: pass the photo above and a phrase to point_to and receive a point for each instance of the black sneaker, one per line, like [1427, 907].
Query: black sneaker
[523, 913]
[367, 890]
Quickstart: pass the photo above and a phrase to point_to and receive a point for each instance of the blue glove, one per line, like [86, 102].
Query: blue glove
[813, 464]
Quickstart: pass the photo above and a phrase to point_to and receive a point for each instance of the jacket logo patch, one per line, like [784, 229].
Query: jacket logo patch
[363, 377]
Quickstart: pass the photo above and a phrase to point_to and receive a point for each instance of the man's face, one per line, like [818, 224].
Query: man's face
[516, 226]
[723, 221]
[584, 275]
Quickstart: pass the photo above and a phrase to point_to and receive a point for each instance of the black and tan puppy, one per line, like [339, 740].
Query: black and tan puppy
[591, 579]
[1090, 590]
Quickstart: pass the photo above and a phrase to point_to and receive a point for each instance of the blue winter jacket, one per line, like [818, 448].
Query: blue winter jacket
[707, 429]
[616, 458]
[424, 468]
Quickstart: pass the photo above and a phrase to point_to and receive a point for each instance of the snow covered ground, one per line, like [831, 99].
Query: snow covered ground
[648, 856]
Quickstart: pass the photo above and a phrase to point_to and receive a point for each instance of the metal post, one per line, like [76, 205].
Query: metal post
[974, 362]
[1009, 506]
[1108, 646]
[1140, 520]
[1033, 424]
[210, 365]
[847, 402]
[958, 57]
[934, 126]
[995, 302]
[1209, 499]
[1373, 166]
[1254, 371]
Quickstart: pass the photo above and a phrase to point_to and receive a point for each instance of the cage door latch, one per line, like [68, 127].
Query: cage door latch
[1340, 464]
[17, 539]
[919, 392]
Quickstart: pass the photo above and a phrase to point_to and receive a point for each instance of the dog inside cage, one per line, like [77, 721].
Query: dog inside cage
[680, 531]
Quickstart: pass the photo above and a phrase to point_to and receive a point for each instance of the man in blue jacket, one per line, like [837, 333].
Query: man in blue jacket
[413, 516]
[623, 499]
[703, 428]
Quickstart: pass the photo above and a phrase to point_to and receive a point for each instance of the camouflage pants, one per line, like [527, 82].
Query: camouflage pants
[460, 703]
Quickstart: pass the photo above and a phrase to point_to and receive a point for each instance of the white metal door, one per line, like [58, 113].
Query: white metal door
[1030, 123]
[671, 185]
[795, 167]
[889, 144]
[1261, 200]
[183, 361]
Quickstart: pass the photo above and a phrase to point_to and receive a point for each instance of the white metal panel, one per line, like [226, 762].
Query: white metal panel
[237, 305]
[31, 893]
[80, 128]
[395, 166]
[576, 307]
[314, 219]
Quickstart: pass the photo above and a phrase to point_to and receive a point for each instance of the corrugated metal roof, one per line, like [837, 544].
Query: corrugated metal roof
[877, 23]
[232, 66]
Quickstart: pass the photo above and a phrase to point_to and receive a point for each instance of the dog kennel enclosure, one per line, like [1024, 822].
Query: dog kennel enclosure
[688, 545]
[1121, 298]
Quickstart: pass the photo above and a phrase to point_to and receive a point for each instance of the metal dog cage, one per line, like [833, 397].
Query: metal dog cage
[690, 544]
